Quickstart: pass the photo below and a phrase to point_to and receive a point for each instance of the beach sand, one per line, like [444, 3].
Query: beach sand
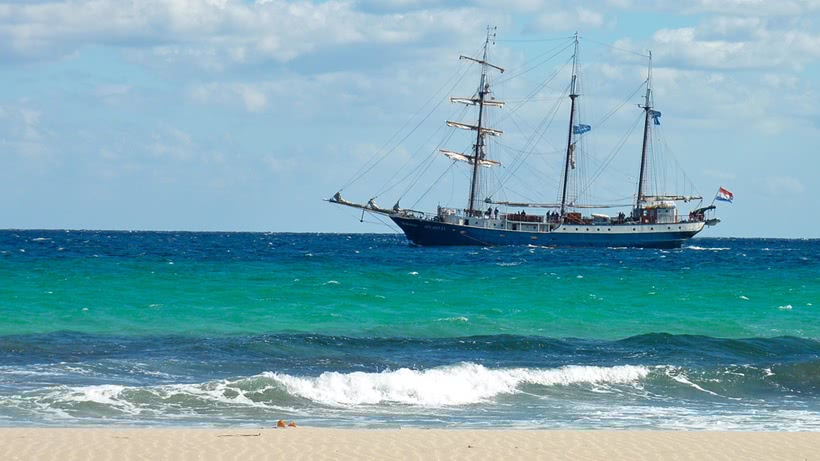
[300, 443]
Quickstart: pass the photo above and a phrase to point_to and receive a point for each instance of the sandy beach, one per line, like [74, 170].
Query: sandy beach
[353, 444]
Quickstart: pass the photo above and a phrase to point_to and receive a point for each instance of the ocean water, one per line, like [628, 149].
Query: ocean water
[165, 328]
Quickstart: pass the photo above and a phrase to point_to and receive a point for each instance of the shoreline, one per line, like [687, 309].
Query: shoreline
[189, 443]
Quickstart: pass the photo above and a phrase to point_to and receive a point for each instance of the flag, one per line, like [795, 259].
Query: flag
[656, 115]
[724, 195]
[580, 129]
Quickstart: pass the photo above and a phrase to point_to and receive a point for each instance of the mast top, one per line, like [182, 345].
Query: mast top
[647, 100]
[491, 33]
[573, 86]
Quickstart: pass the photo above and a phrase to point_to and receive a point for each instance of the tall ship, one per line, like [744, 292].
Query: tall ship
[651, 218]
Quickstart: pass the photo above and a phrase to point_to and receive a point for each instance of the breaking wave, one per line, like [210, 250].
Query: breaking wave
[462, 384]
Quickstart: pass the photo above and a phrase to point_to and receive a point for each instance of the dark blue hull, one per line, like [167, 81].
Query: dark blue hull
[432, 233]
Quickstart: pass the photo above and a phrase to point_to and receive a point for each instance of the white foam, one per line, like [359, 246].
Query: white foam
[107, 394]
[461, 384]
[787, 307]
[697, 248]
[454, 319]
[743, 297]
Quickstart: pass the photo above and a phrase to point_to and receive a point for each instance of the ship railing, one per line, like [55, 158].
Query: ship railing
[416, 214]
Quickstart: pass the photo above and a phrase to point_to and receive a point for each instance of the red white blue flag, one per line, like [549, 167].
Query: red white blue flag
[724, 195]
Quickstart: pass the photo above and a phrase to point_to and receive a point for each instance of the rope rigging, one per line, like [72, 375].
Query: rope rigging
[529, 182]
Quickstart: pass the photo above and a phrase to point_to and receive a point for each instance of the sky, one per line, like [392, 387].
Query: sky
[239, 115]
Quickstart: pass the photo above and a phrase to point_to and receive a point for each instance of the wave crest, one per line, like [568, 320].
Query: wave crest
[461, 384]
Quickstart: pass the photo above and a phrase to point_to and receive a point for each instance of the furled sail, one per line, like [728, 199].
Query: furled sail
[463, 158]
[464, 126]
[474, 101]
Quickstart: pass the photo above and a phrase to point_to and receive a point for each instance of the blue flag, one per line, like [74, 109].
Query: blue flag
[581, 129]
[656, 115]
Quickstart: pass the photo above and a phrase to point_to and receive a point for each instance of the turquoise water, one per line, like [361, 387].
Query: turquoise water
[237, 328]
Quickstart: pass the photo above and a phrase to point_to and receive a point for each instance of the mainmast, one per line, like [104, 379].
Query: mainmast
[647, 107]
[477, 159]
[570, 147]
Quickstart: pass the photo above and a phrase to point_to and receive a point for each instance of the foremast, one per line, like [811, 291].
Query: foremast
[573, 95]
[478, 158]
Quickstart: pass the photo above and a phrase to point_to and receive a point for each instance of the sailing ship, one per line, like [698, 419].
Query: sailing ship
[653, 220]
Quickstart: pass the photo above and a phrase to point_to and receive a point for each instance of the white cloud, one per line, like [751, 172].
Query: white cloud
[732, 44]
[566, 19]
[173, 143]
[750, 7]
[22, 134]
[785, 186]
[215, 33]
[112, 90]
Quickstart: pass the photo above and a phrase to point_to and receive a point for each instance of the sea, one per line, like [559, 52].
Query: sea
[102, 328]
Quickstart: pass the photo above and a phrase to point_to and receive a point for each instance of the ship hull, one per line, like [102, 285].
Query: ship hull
[432, 233]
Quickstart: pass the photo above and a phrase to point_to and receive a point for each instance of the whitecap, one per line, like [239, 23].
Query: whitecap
[697, 248]
[787, 307]
[454, 319]
[460, 384]
[743, 297]
[332, 282]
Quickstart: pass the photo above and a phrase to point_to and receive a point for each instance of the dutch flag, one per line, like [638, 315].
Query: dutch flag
[724, 195]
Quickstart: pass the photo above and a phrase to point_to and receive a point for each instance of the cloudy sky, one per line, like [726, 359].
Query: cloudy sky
[243, 115]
